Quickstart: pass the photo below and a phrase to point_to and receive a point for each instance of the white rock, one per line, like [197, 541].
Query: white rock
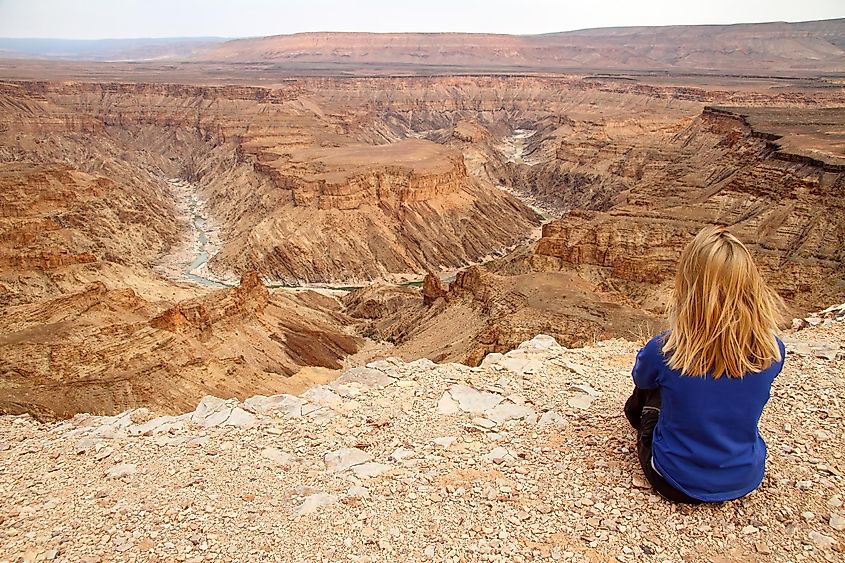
[498, 455]
[289, 405]
[314, 502]
[122, 470]
[359, 492]
[444, 441]
[158, 425]
[207, 405]
[540, 342]
[575, 368]
[580, 401]
[822, 541]
[491, 359]
[401, 453]
[586, 388]
[323, 396]
[521, 365]
[344, 458]
[837, 522]
[240, 418]
[365, 378]
[508, 411]
[447, 405]
[369, 469]
[85, 444]
[278, 456]
[472, 400]
[484, 423]
[552, 418]
[216, 418]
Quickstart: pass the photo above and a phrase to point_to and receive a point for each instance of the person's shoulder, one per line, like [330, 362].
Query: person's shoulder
[654, 347]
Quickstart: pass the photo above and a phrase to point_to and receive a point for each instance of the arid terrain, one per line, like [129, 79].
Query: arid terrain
[376, 297]
[210, 226]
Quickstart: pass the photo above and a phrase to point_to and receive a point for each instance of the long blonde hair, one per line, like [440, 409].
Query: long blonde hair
[722, 315]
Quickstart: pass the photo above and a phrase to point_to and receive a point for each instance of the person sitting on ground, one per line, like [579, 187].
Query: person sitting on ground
[700, 387]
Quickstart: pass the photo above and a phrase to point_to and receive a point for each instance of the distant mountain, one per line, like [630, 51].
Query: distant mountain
[815, 46]
[762, 47]
[105, 49]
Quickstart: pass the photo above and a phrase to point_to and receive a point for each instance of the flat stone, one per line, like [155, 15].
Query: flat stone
[447, 405]
[344, 458]
[207, 405]
[121, 470]
[491, 359]
[322, 396]
[472, 400]
[312, 503]
[85, 444]
[401, 453]
[540, 342]
[358, 492]
[366, 378]
[322, 416]
[508, 411]
[498, 455]
[216, 418]
[277, 456]
[521, 365]
[289, 405]
[575, 368]
[822, 541]
[586, 388]
[580, 401]
[240, 418]
[444, 441]
[369, 469]
[158, 426]
[484, 423]
[552, 418]
[386, 365]
[837, 522]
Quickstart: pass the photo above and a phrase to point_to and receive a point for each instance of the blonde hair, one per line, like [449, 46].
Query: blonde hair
[722, 315]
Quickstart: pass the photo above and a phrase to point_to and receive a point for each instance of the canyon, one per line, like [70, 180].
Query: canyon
[170, 230]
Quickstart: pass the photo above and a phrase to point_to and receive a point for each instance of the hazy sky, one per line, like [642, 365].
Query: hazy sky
[96, 19]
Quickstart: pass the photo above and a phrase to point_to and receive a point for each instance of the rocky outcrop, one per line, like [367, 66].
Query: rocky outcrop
[481, 312]
[105, 350]
[717, 170]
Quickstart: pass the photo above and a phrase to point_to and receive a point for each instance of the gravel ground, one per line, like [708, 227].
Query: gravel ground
[525, 458]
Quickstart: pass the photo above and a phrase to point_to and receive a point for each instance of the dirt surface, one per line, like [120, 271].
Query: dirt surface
[525, 458]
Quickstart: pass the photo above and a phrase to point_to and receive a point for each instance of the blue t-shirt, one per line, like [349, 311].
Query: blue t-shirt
[706, 441]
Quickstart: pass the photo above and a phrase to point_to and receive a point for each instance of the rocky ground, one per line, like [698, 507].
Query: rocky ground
[526, 457]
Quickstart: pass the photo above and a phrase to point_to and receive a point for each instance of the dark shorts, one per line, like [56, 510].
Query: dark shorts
[642, 410]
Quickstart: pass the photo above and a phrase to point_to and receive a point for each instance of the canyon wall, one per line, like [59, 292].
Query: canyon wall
[788, 209]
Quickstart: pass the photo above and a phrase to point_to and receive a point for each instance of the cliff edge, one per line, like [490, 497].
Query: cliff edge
[526, 457]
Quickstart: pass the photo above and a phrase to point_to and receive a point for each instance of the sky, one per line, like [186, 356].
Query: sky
[99, 19]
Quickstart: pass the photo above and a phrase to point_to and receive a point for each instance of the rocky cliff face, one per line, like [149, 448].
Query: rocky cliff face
[717, 170]
[481, 312]
[102, 350]
[269, 162]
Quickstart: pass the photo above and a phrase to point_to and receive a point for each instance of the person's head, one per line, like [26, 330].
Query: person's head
[722, 315]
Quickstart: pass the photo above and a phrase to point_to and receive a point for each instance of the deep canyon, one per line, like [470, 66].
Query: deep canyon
[345, 218]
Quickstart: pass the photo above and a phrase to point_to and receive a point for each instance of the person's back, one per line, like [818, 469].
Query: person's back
[700, 388]
[706, 442]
